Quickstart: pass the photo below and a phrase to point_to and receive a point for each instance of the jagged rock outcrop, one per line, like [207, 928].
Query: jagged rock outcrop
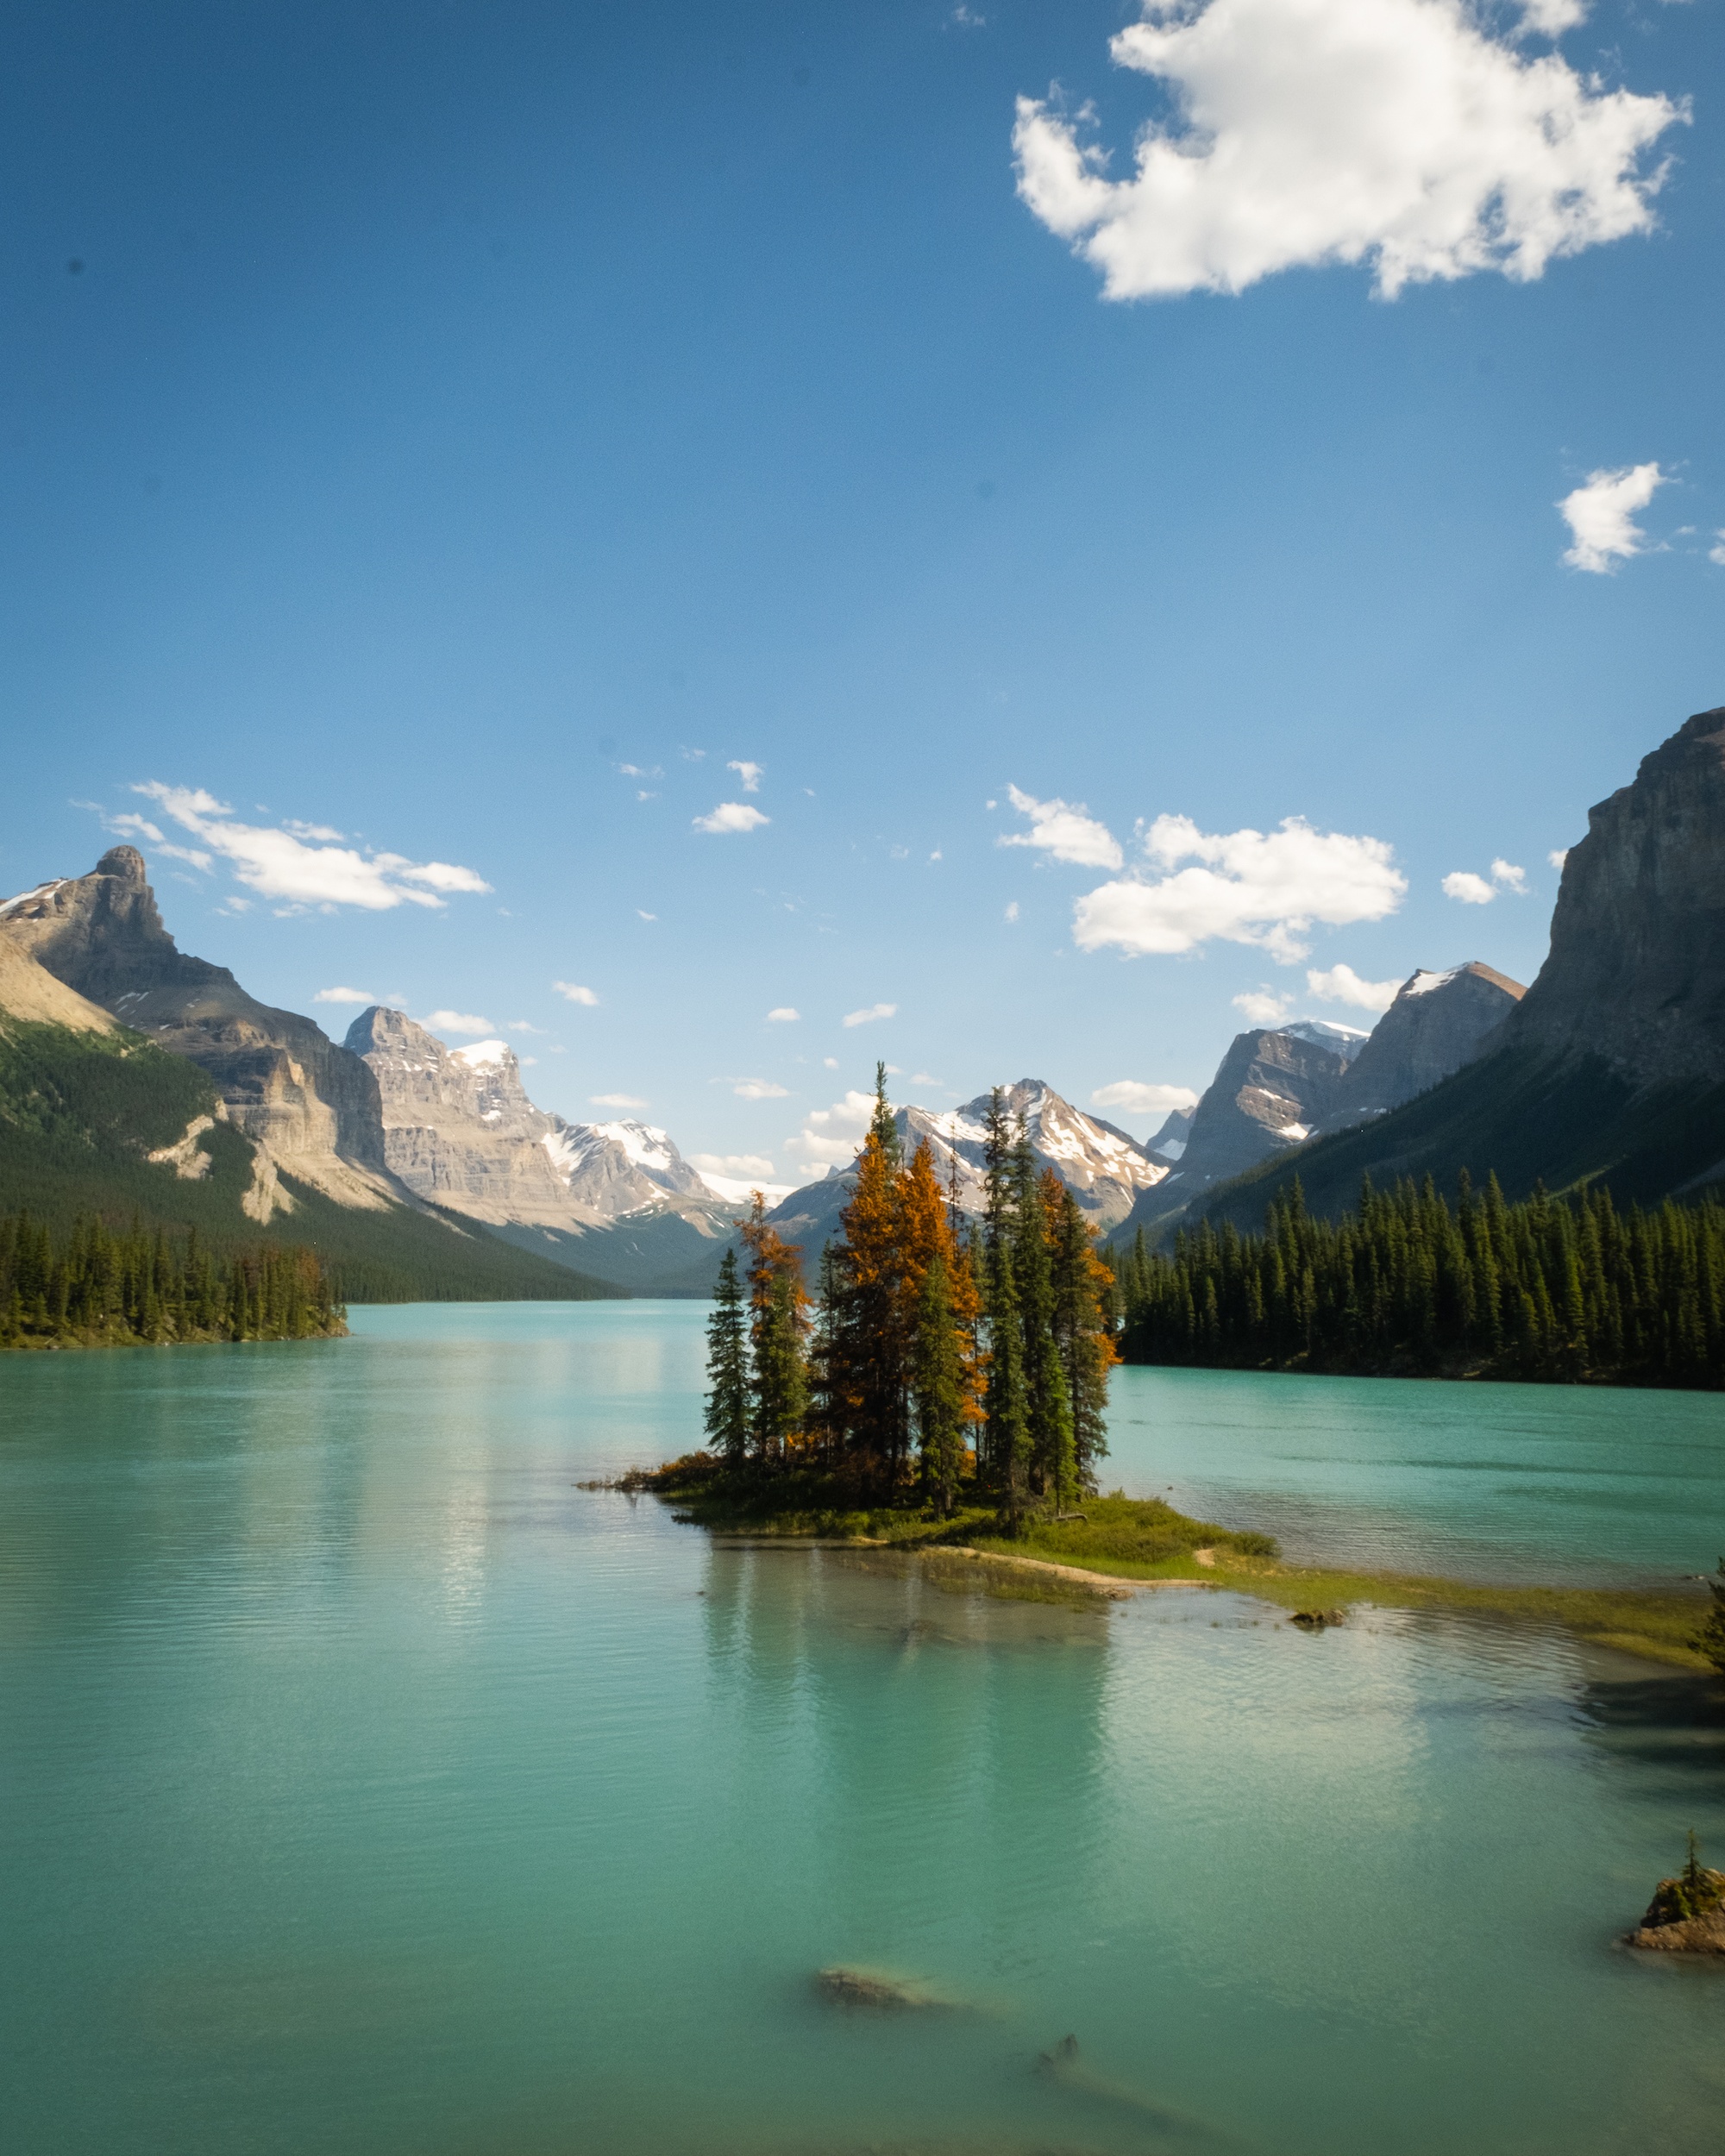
[1169, 1144]
[1438, 1022]
[1105, 1169]
[1637, 972]
[312, 1107]
[1271, 1089]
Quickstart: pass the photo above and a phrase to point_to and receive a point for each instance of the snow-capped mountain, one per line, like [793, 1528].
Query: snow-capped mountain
[1104, 1169]
[460, 1128]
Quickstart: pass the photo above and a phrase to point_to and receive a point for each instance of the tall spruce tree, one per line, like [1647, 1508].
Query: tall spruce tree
[940, 1389]
[1710, 1639]
[726, 1419]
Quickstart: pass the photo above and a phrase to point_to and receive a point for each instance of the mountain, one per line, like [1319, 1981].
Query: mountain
[1104, 1168]
[616, 1201]
[1612, 1064]
[135, 1079]
[1438, 1022]
[1170, 1141]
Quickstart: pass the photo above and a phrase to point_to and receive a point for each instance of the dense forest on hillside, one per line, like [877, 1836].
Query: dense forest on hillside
[80, 1111]
[1562, 1290]
[934, 1364]
[94, 1288]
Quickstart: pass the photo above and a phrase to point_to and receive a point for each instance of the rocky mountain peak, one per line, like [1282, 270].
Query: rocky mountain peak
[1636, 971]
[125, 863]
[1438, 1022]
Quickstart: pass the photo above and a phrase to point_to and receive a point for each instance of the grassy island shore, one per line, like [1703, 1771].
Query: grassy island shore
[1145, 1543]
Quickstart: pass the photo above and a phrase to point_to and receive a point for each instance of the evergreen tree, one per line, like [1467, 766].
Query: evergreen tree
[726, 1421]
[778, 1329]
[940, 1389]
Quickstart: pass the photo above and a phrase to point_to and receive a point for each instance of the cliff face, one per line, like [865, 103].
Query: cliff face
[1637, 972]
[1438, 1022]
[1271, 1090]
[459, 1128]
[312, 1107]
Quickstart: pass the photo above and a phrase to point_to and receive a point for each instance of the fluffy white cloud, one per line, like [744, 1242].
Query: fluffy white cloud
[346, 995]
[1249, 887]
[521, 1025]
[874, 1011]
[1143, 1100]
[457, 1022]
[1717, 554]
[1601, 517]
[1474, 890]
[283, 862]
[750, 774]
[829, 1138]
[730, 1164]
[1341, 984]
[1012, 912]
[1399, 133]
[1262, 1006]
[784, 1015]
[732, 816]
[617, 1100]
[1558, 855]
[572, 992]
[1066, 830]
[758, 1089]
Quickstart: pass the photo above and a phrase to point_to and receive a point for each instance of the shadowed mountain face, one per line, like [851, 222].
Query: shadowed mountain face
[1613, 1063]
[284, 1082]
[1438, 1022]
[1637, 972]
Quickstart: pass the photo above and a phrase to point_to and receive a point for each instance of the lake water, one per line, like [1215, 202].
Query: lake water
[367, 1787]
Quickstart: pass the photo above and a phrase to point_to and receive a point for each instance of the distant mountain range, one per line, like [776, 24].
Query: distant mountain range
[136, 1079]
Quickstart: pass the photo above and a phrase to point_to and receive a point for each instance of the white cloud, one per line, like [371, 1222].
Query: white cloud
[641, 914]
[784, 1015]
[572, 992]
[964, 18]
[1341, 984]
[1551, 18]
[1068, 832]
[1139, 1098]
[283, 863]
[830, 1062]
[758, 1089]
[1012, 912]
[750, 774]
[1558, 855]
[1249, 888]
[640, 771]
[1474, 890]
[1717, 554]
[730, 1164]
[1398, 133]
[521, 1025]
[830, 1137]
[1262, 1006]
[1601, 517]
[313, 831]
[346, 995]
[617, 1100]
[875, 1010]
[457, 1022]
[732, 816]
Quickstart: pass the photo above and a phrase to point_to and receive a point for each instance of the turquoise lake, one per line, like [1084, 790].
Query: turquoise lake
[366, 1786]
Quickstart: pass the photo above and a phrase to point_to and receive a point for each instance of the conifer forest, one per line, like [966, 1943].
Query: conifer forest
[94, 1287]
[1559, 1290]
[931, 1360]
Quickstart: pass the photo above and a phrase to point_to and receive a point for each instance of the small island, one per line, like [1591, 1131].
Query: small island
[1687, 1913]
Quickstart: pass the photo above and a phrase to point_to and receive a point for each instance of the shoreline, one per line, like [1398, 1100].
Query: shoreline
[1651, 1627]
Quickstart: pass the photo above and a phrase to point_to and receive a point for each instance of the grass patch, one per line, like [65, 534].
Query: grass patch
[1143, 1538]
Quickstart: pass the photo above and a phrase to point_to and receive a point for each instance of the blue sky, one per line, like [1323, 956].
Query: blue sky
[476, 430]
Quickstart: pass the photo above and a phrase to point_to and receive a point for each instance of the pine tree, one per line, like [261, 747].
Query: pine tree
[777, 1331]
[726, 1421]
[940, 1389]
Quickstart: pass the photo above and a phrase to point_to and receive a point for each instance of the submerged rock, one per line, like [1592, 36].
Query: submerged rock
[875, 1987]
[1687, 1913]
[1318, 1620]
